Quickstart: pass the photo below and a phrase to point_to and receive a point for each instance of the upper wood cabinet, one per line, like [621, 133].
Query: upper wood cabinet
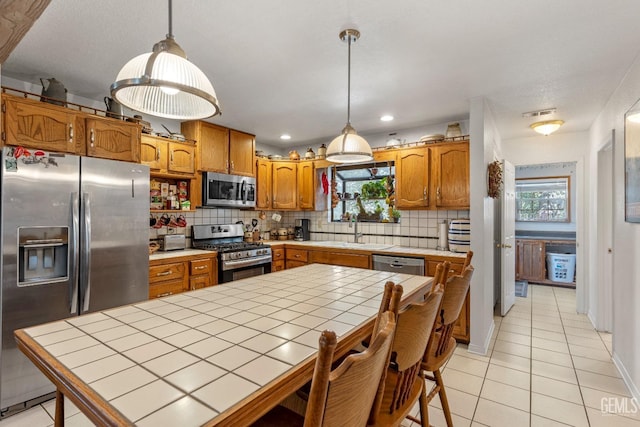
[170, 157]
[264, 195]
[220, 149]
[450, 175]
[35, 124]
[412, 178]
[434, 177]
[112, 139]
[284, 185]
[306, 185]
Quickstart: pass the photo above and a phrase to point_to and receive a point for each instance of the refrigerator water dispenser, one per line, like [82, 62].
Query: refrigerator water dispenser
[43, 254]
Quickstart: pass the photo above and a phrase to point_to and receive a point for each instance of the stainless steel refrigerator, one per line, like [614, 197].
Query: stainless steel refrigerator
[74, 240]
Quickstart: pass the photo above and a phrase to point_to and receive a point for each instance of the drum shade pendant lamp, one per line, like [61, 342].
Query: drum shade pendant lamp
[547, 127]
[164, 83]
[349, 147]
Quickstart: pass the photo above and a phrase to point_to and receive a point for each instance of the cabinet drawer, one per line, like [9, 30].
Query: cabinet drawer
[431, 267]
[201, 266]
[277, 265]
[172, 271]
[339, 258]
[277, 254]
[297, 255]
[167, 288]
[199, 282]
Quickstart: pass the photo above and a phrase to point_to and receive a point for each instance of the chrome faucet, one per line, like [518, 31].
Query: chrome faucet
[356, 235]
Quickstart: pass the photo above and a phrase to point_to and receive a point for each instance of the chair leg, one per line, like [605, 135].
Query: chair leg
[424, 406]
[443, 398]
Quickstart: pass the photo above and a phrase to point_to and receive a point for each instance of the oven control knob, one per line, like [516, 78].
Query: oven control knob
[247, 254]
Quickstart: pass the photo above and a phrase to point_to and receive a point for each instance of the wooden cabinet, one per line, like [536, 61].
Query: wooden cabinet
[296, 257]
[264, 184]
[450, 175]
[221, 149]
[167, 157]
[35, 124]
[242, 148]
[345, 259]
[306, 185]
[530, 260]
[112, 139]
[284, 185]
[167, 279]
[277, 256]
[203, 273]
[433, 177]
[182, 273]
[412, 178]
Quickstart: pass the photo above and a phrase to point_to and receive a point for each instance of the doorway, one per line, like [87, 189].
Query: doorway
[600, 292]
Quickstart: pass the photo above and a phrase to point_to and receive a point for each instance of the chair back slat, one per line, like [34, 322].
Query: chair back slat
[347, 395]
[412, 334]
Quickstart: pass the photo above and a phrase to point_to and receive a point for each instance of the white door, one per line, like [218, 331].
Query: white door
[508, 243]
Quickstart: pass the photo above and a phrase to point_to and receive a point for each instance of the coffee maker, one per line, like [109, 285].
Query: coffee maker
[301, 231]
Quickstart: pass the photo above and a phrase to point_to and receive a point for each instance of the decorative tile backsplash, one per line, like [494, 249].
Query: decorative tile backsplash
[417, 229]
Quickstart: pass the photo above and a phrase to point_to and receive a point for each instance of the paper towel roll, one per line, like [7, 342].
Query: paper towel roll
[442, 236]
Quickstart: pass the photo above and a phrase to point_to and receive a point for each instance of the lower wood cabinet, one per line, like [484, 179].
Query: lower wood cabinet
[340, 258]
[296, 257]
[277, 256]
[182, 273]
[530, 260]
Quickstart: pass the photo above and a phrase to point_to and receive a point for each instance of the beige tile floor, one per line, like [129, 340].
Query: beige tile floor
[546, 366]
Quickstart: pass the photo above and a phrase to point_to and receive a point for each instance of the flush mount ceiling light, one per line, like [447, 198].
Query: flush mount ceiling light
[285, 136]
[547, 127]
[386, 118]
[164, 83]
[349, 147]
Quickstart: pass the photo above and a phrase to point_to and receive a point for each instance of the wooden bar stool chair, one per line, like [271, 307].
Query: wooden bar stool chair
[442, 344]
[403, 384]
[344, 396]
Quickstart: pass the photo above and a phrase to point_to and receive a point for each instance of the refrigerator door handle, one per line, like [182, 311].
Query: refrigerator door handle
[86, 253]
[73, 262]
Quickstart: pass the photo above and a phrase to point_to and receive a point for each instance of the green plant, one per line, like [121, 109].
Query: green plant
[395, 214]
[374, 190]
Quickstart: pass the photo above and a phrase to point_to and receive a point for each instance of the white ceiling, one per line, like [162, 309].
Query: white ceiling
[278, 66]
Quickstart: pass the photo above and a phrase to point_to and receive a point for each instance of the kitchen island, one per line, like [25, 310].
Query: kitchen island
[222, 355]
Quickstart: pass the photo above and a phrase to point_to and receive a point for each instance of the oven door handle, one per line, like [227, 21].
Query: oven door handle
[227, 265]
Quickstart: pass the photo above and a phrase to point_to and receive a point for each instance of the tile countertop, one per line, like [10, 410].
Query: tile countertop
[185, 359]
[179, 253]
[376, 248]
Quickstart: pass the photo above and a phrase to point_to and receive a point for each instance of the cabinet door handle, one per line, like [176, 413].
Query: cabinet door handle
[92, 137]
[166, 294]
[297, 256]
[157, 154]
[71, 132]
[438, 193]
[171, 156]
[164, 273]
[202, 267]
[424, 193]
[232, 166]
[226, 164]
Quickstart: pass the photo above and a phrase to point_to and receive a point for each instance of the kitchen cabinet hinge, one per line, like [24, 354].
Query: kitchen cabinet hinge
[4, 107]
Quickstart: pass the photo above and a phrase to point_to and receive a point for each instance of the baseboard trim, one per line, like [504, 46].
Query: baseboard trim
[633, 389]
[482, 350]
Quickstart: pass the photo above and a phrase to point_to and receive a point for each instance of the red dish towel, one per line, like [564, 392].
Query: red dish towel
[325, 183]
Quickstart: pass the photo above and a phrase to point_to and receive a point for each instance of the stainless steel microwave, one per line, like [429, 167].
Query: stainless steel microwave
[219, 189]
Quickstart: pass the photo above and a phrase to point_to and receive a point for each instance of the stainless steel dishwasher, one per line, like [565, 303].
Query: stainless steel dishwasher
[399, 264]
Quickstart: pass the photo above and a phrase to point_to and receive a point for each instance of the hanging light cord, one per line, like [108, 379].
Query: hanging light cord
[170, 35]
[348, 82]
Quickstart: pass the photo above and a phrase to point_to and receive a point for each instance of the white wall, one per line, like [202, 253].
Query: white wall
[626, 236]
[484, 147]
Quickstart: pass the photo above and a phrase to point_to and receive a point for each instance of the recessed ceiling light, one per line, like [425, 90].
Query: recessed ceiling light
[285, 136]
[386, 118]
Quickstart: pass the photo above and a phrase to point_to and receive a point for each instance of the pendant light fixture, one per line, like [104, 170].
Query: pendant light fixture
[349, 147]
[164, 83]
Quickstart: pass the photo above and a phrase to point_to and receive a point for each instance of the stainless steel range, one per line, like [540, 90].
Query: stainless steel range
[236, 259]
